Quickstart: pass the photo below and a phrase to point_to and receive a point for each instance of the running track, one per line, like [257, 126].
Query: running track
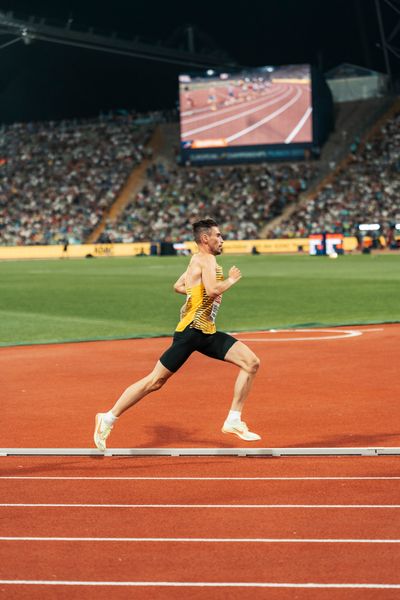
[211, 527]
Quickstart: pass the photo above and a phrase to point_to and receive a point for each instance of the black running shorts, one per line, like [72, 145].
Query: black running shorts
[215, 345]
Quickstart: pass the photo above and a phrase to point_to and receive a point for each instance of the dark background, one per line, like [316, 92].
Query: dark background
[43, 80]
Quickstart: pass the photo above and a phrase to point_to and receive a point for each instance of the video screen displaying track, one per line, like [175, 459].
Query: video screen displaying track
[268, 105]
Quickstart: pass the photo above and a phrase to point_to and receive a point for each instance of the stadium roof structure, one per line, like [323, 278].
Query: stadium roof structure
[28, 30]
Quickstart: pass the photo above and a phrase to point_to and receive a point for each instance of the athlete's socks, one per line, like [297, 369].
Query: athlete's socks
[109, 419]
[234, 415]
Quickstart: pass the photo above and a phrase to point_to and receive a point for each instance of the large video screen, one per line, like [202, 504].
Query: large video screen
[263, 106]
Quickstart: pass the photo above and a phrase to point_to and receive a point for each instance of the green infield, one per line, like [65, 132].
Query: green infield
[88, 299]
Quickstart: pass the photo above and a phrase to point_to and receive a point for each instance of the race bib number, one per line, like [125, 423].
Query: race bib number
[215, 308]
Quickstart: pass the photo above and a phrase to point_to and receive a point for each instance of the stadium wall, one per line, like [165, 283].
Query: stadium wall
[73, 251]
[275, 246]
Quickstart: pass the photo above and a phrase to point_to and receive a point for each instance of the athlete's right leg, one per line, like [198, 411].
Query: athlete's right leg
[135, 392]
[173, 358]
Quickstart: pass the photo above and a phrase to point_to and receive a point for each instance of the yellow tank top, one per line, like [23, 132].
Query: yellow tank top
[200, 310]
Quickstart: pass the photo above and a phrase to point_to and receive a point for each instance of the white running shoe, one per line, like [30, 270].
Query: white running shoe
[101, 432]
[240, 429]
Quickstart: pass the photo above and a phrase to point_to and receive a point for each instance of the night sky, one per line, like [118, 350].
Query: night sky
[42, 80]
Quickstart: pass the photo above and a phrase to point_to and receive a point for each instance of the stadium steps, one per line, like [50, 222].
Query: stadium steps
[133, 185]
[357, 119]
[353, 120]
[169, 139]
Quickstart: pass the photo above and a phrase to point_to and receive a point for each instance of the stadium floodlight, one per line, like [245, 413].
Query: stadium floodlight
[210, 72]
[369, 227]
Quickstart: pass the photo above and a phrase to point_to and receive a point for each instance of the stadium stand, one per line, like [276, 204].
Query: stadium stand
[94, 180]
[57, 178]
[242, 198]
[364, 189]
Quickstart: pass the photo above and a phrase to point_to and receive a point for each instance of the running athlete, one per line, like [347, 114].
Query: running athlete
[203, 284]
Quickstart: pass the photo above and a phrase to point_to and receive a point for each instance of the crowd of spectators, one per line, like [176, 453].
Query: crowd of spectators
[58, 178]
[241, 198]
[366, 190]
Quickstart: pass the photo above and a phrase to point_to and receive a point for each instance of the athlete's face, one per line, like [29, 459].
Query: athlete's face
[215, 241]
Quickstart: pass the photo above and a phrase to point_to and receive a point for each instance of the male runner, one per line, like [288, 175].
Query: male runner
[203, 284]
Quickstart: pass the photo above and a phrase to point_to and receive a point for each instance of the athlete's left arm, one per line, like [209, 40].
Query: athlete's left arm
[179, 285]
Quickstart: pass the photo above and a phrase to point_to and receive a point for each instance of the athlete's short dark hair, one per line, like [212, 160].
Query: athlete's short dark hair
[202, 226]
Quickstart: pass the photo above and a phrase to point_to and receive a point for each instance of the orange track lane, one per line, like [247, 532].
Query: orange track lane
[170, 593]
[220, 562]
[197, 562]
[110, 467]
[338, 392]
[308, 393]
[254, 523]
[210, 492]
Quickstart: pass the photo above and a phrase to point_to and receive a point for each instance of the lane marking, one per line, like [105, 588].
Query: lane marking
[343, 334]
[266, 119]
[299, 125]
[202, 540]
[266, 506]
[212, 584]
[300, 329]
[120, 478]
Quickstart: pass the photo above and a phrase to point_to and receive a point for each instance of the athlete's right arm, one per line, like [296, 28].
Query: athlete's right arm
[213, 287]
[179, 285]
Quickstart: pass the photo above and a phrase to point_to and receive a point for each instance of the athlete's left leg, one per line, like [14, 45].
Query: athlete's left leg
[239, 354]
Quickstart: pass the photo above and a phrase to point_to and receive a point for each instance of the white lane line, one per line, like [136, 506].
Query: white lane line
[234, 108]
[210, 584]
[266, 119]
[299, 125]
[90, 478]
[236, 115]
[301, 329]
[212, 506]
[346, 333]
[202, 540]
[342, 334]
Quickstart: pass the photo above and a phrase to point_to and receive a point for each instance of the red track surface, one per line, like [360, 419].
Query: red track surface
[327, 392]
[297, 523]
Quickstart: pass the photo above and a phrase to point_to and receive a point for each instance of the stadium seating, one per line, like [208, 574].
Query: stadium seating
[57, 178]
[241, 198]
[365, 190]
